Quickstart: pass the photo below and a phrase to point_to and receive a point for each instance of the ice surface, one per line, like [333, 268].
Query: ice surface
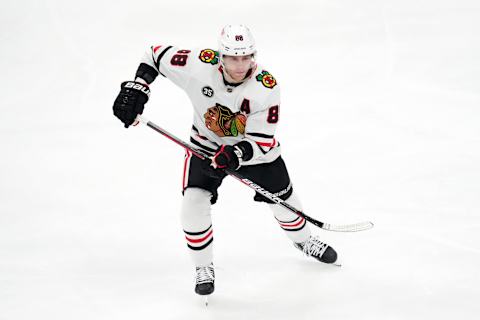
[384, 94]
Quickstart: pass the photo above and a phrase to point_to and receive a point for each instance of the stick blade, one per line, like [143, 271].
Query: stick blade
[355, 227]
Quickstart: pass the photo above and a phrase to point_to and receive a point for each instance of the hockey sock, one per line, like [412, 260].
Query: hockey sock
[197, 225]
[294, 226]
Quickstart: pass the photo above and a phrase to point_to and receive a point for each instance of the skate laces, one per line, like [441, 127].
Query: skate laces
[314, 247]
[205, 274]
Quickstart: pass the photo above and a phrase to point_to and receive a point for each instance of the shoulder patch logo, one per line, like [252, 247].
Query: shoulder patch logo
[208, 56]
[267, 79]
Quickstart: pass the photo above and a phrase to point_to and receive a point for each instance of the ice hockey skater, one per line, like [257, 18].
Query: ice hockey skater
[236, 109]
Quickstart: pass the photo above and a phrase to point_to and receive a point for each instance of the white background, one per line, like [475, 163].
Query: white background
[380, 121]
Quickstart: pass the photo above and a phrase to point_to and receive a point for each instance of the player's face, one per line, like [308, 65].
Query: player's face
[237, 66]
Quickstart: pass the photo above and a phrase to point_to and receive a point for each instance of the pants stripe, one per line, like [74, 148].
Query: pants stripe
[186, 168]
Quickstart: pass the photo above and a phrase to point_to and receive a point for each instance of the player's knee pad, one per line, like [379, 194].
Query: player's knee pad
[195, 212]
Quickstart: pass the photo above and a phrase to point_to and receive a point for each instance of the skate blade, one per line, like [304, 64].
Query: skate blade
[205, 300]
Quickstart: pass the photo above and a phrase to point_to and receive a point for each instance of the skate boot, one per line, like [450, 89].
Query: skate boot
[315, 248]
[205, 280]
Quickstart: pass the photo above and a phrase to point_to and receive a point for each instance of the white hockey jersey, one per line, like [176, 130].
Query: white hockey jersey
[223, 113]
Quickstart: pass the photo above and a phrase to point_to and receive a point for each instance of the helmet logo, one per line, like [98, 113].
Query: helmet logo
[266, 79]
[209, 56]
[239, 38]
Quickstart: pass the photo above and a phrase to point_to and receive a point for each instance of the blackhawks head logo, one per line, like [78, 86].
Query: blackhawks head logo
[224, 122]
[267, 79]
[209, 56]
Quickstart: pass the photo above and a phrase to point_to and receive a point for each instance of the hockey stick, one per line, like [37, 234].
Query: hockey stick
[204, 156]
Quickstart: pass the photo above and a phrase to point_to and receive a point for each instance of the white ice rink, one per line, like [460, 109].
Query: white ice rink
[380, 121]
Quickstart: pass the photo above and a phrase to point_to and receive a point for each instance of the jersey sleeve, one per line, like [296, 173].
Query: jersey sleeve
[262, 123]
[171, 62]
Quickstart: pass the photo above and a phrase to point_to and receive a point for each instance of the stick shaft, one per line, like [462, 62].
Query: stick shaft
[252, 185]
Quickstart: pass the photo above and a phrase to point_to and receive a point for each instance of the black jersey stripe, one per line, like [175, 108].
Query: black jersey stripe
[263, 150]
[197, 133]
[157, 63]
[201, 247]
[198, 144]
[261, 135]
[197, 233]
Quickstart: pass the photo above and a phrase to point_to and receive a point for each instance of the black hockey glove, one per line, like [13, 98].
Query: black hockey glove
[228, 157]
[130, 101]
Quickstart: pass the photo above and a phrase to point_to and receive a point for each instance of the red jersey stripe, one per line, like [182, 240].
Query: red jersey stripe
[266, 144]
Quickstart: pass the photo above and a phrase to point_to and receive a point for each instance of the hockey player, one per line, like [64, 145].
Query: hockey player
[236, 105]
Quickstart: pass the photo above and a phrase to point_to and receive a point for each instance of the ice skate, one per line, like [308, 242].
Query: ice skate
[317, 249]
[205, 280]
